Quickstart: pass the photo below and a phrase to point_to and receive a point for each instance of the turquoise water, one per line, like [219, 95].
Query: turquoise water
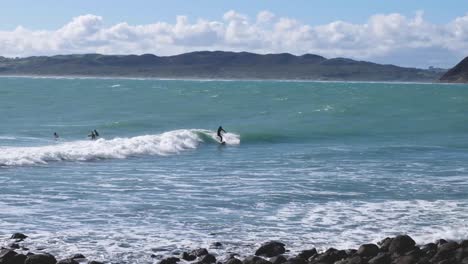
[308, 163]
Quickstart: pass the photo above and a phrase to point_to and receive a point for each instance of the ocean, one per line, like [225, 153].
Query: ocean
[312, 164]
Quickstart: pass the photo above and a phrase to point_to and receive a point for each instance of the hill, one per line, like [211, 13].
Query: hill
[213, 65]
[458, 74]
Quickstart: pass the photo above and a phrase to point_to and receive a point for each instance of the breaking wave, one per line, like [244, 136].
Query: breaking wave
[167, 143]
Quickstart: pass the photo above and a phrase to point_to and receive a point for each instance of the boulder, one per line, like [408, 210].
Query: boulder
[381, 258]
[234, 261]
[78, 256]
[405, 260]
[271, 249]
[385, 244]
[68, 261]
[14, 245]
[6, 255]
[187, 256]
[306, 254]
[255, 260]
[368, 250]
[461, 253]
[351, 260]
[169, 260]
[296, 260]
[208, 259]
[19, 236]
[330, 256]
[401, 244]
[278, 259]
[216, 245]
[40, 259]
[199, 252]
[445, 251]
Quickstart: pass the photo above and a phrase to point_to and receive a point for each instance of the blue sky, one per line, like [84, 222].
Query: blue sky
[50, 14]
[416, 33]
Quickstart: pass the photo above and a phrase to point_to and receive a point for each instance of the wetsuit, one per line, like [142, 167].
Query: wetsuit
[219, 133]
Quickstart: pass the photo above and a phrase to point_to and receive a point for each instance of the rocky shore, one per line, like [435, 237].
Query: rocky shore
[401, 249]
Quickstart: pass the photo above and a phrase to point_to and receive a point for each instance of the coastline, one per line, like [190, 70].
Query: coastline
[399, 249]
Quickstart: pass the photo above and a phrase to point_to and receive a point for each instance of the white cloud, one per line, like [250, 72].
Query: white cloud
[382, 36]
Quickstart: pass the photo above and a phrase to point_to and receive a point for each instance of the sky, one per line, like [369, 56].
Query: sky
[414, 33]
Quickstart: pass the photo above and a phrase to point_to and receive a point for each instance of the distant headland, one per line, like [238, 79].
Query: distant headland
[215, 65]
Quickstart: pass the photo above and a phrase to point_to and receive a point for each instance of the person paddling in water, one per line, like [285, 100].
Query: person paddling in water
[220, 129]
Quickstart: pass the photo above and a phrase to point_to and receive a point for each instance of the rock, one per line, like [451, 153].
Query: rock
[255, 260]
[78, 256]
[306, 254]
[14, 245]
[188, 257]
[68, 261]
[351, 252]
[199, 252]
[18, 259]
[385, 244]
[40, 259]
[169, 260]
[234, 261]
[406, 260]
[271, 249]
[401, 244]
[208, 259]
[296, 260]
[445, 250]
[278, 259]
[460, 254]
[216, 245]
[441, 242]
[464, 243]
[330, 256]
[381, 258]
[19, 236]
[351, 260]
[6, 256]
[95, 262]
[464, 261]
[368, 250]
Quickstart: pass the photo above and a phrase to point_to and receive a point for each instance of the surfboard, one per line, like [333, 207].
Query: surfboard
[222, 143]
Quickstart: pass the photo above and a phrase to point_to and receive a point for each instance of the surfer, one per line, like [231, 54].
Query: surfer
[56, 136]
[96, 133]
[220, 129]
[92, 135]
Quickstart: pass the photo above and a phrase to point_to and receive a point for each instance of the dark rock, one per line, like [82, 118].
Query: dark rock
[234, 261]
[368, 250]
[6, 256]
[465, 260]
[199, 252]
[401, 244]
[385, 244]
[306, 254]
[216, 245]
[461, 253]
[208, 259]
[351, 260]
[444, 251]
[330, 256]
[351, 252]
[255, 260]
[424, 260]
[169, 260]
[40, 259]
[441, 242]
[18, 259]
[14, 245]
[68, 261]
[381, 258]
[429, 250]
[271, 249]
[78, 256]
[95, 262]
[188, 257]
[406, 260]
[296, 260]
[278, 259]
[447, 261]
[19, 236]
[464, 243]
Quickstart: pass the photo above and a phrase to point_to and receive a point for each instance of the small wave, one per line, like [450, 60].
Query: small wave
[168, 143]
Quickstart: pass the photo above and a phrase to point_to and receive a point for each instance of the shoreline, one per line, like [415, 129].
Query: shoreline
[399, 249]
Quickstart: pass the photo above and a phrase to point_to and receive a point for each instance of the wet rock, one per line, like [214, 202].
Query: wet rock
[271, 249]
[14, 245]
[255, 260]
[401, 244]
[188, 257]
[368, 250]
[6, 256]
[385, 244]
[234, 261]
[461, 253]
[199, 252]
[351, 260]
[351, 252]
[445, 250]
[78, 256]
[19, 236]
[296, 260]
[40, 259]
[330, 256]
[441, 242]
[381, 258]
[464, 261]
[406, 260]
[306, 254]
[18, 259]
[169, 260]
[208, 259]
[216, 245]
[68, 261]
[278, 259]
[464, 243]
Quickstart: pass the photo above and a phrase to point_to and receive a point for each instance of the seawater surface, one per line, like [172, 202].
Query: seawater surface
[311, 164]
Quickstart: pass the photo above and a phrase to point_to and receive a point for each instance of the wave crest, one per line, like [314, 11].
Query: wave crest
[167, 143]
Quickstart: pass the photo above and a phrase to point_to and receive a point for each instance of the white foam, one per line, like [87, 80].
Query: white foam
[172, 142]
